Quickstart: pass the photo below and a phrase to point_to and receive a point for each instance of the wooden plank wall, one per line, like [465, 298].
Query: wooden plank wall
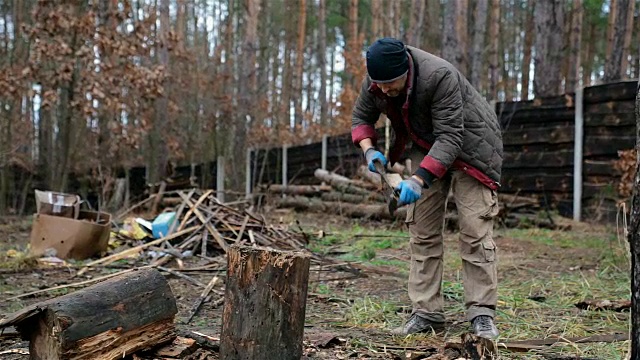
[538, 144]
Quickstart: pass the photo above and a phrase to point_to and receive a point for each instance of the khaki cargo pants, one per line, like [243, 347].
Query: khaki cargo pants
[477, 206]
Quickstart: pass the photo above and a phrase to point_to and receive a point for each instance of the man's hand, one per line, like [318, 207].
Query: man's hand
[371, 155]
[410, 191]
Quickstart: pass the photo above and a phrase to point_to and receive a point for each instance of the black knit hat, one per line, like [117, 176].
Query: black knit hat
[387, 60]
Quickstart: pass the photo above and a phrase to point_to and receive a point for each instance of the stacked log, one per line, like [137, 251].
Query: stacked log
[364, 198]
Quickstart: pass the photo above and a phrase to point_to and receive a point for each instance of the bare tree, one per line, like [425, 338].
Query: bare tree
[416, 23]
[494, 29]
[529, 35]
[479, 31]
[613, 69]
[302, 26]
[573, 74]
[322, 61]
[454, 38]
[549, 23]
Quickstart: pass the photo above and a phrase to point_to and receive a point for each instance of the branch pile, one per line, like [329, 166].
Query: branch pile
[363, 198]
[208, 227]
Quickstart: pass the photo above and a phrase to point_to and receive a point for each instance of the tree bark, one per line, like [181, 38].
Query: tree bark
[613, 69]
[589, 53]
[627, 63]
[549, 23]
[634, 242]
[413, 37]
[479, 31]
[264, 304]
[106, 321]
[159, 153]
[613, 13]
[432, 28]
[529, 35]
[575, 44]
[322, 62]
[494, 38]
[357, 211]
[302, 27]
[454, 41]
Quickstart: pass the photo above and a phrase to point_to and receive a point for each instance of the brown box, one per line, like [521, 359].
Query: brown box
[71, 238]
[57, 204]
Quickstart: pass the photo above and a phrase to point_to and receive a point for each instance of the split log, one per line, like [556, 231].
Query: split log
[264, 307]
[306, 190]
[106, 321]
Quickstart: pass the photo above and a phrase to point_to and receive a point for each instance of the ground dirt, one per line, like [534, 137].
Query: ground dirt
[349, 315]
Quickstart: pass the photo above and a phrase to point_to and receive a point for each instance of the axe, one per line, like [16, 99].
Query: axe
[389, 191]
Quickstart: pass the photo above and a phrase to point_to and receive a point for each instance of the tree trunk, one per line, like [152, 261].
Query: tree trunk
[159, 153]
[613, 69]
[285, 100]
[494, 38]
[302, 27]
[479, 31]
[627, 63]
[528, 44]
[589, 53]
[416, 23]
[106, 321]
[613, 13]
[549, 22]
[264, 304]
[322, 62]
[376, 19]
[454, 39]
[634, 242]
[573, 74]
[432, 28]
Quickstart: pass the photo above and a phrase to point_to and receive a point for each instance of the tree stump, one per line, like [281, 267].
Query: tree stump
[105, 321]
[264, 305]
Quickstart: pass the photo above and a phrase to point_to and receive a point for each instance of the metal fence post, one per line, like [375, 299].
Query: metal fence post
[220, 178]
[247, 171]
[284, 165]
[324, 152]
[577, 154]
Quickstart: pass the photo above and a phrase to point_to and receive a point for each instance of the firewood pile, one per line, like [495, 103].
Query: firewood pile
[363, 197]
[626, 164]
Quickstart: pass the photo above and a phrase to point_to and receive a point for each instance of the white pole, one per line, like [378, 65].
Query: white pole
[577, 155]
[324, 152]
[247, 171]
[284, 165]
[220, 178]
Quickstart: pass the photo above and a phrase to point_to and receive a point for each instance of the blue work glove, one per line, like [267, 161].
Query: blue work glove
[410, 191]
[372, 154]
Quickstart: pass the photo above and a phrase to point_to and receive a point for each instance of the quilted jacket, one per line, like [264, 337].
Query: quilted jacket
[442, 114]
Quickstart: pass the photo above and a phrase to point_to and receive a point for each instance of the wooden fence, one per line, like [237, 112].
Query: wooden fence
[539, 140]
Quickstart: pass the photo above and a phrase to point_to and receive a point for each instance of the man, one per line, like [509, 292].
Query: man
[456, 144]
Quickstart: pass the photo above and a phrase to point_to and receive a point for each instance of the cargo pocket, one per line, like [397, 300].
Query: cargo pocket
[489, 248]
[491, 200]
[411, 209]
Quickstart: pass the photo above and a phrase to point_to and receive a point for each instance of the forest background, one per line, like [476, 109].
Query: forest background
[91, 88]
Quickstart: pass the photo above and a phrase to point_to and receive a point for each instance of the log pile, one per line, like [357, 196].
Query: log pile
[363, 198]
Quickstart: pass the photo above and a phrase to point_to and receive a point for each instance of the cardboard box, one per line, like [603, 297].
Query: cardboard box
[57, 204]
[77, 239]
